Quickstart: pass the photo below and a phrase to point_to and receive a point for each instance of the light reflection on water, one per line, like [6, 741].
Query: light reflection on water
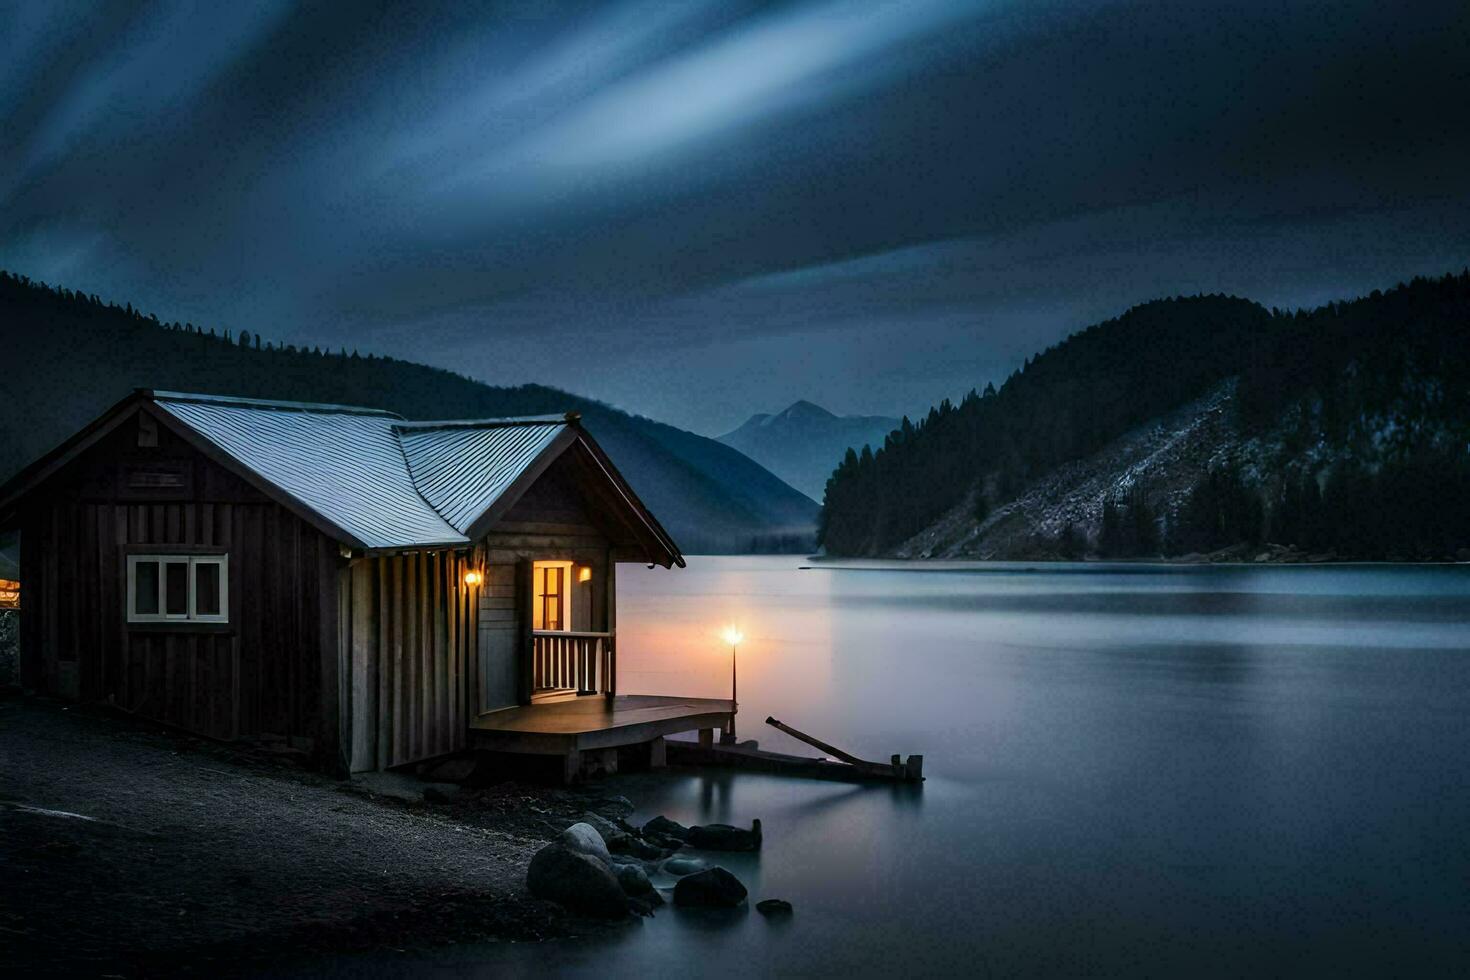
[1216, 771]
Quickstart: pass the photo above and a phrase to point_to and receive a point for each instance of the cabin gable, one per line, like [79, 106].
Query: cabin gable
[140, 490]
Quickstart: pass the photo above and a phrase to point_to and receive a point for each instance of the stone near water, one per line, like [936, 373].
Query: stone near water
[723, 837]
[612, 835]
[576, 879]
[684, 866]
[773, 906]
[633, 879]
[628, 844]
[584, 839]
[664, 827]
[712, 888]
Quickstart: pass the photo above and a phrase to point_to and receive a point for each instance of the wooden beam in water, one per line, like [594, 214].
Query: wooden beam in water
[746, 756]
[913, 770]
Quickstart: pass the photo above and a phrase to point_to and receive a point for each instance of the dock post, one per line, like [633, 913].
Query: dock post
[658, 756]
[706, 738]
[571, 767]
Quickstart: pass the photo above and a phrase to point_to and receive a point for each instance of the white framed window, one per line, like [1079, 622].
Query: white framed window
[178, 588]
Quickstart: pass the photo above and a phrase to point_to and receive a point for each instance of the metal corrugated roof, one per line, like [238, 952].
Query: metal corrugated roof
[462, 468]
[364, 476]
[345, 464]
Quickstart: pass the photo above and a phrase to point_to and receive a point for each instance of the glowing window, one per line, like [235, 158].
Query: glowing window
[552, 609]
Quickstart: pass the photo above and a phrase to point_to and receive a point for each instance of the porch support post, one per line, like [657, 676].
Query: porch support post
[571, 767]
[657, 754]
[610, 678]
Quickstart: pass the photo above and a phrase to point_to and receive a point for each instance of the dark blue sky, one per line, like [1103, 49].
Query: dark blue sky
[701, 210]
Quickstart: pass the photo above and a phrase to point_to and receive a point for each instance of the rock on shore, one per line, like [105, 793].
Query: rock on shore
[575, 871]
[712, 888]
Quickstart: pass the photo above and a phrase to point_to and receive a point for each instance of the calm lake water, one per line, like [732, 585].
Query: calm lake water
[1132, 770]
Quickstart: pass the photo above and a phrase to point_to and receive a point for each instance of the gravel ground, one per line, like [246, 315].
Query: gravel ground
[127, 851]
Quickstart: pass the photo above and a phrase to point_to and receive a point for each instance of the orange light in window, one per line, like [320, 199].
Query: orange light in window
[584, 574]
[473, 578]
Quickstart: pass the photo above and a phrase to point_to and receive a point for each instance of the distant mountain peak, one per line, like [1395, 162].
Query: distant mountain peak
[804, 442]
[803, 410]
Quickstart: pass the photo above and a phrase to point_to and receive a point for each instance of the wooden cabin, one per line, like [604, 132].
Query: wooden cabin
[374, 590]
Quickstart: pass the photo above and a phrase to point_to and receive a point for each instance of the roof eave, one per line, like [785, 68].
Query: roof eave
[605, 463]
[43, 468]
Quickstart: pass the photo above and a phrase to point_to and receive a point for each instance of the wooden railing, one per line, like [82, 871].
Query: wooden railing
[564, 660]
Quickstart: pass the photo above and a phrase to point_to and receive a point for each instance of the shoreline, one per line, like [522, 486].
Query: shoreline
[193, 854]
[892, 562]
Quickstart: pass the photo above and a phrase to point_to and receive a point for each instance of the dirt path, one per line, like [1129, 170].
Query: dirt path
[126, 851]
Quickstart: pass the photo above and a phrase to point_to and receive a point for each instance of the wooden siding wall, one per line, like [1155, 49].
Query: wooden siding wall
[259, 675]
[407, 624]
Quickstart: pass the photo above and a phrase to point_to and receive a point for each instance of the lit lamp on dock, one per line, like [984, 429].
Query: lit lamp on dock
[473, 578]
[732, 636]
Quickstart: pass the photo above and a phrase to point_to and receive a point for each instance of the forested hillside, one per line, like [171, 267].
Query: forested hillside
[68, 356]
[1188, 426]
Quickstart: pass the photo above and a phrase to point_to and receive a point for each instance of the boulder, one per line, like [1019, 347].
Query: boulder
[576, 880]
[633, 879]
[773, 906]
[711, 888]
[612, 835]
[723, 837]
[664, 827]
[628, 844]
[683, 865]
[584, 839]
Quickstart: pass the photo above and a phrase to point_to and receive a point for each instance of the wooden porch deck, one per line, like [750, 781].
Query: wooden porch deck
[578, 724]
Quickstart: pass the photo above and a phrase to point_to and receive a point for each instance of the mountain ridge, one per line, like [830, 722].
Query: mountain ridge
[75, 355]
[804, 442]
[1194, 426]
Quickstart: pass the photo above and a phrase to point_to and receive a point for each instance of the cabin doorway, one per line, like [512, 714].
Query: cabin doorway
[498, 641]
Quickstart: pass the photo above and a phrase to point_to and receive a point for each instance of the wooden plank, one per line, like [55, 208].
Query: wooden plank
[523, 642]
[408, 692]
[547, 529]
[363, 717]
[434, 645]
[893, 769]
[756, 760]
[329, 652]
[383, 721]
[423, 656]
[610, 683]
[492, 615]
[549, 547]
[458, 667]
[395, 634]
